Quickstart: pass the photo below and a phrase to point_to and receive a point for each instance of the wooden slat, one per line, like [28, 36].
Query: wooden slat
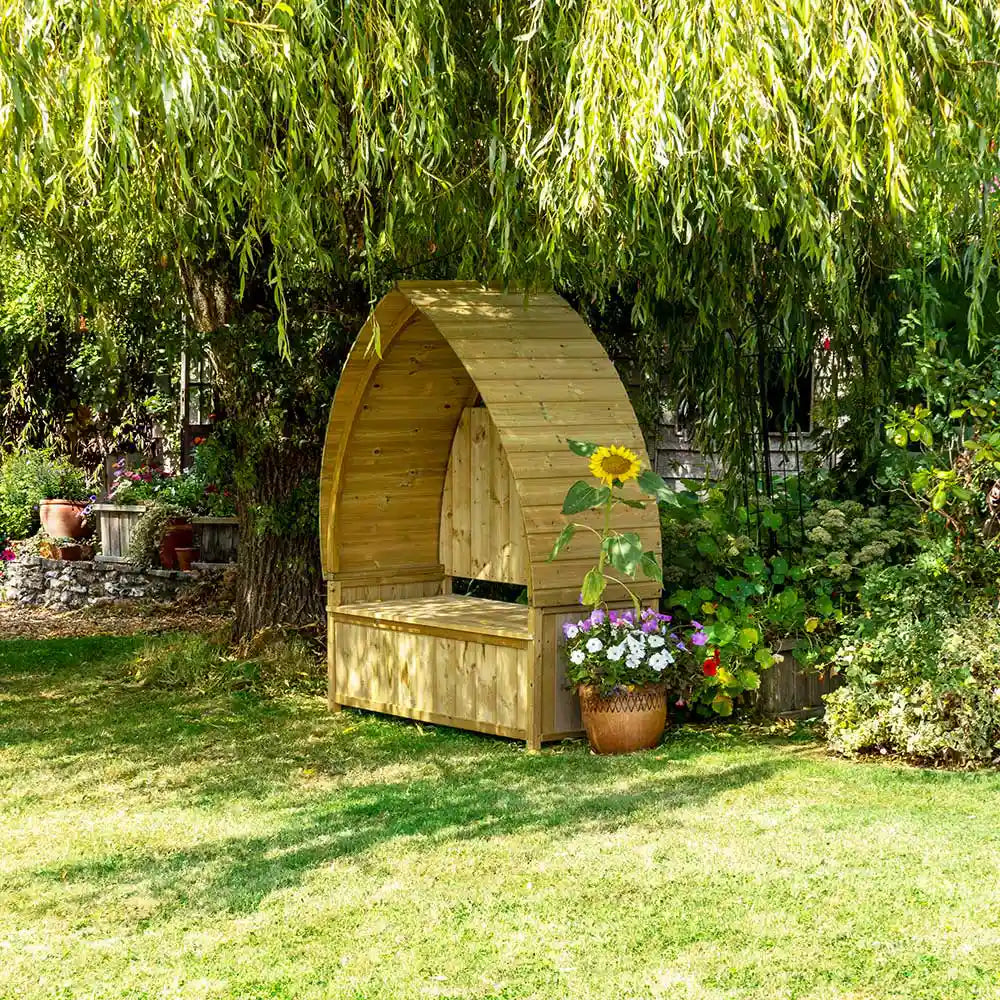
[482, 512]
[485, 539]
[506, 390]
[498, 347]
[461, 479]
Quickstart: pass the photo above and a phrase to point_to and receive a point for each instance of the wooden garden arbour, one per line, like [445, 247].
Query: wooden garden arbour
[446, 456]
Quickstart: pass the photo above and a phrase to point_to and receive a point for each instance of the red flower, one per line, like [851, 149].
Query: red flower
[711, 666]
[198, 441]
[826, 343]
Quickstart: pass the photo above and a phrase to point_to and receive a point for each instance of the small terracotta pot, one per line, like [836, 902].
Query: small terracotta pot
[185, 557]
[179, 535]
[71, 553]
[64, 518]
[626, 721]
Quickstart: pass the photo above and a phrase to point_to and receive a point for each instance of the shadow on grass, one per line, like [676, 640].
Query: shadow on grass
[383, 781]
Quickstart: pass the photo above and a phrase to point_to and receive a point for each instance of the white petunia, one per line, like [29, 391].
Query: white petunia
[658, 661]
[572, 631]
[594, 645]
[633, 662]
[577, 656]
[655, 640]
[615, 653]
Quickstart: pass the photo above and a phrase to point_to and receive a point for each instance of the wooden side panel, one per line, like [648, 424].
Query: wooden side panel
[482, 531]
[467, 684]
[388, 497]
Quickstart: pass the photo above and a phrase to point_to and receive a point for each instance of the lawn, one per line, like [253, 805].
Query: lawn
[156, 845]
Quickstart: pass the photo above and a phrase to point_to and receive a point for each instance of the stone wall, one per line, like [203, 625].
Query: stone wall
[68, 584]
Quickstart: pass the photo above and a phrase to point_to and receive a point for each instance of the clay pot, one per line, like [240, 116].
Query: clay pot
[185, 557]
[70, 553]
[179, 535]
[625, 721]
[64, 518]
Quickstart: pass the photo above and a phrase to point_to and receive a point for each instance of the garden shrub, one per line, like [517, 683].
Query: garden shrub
[29, 476]
[921, 667]
[751, 600]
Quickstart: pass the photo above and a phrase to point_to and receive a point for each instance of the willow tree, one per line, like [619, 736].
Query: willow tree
[288, 162]
[762, 175]
[723, 167]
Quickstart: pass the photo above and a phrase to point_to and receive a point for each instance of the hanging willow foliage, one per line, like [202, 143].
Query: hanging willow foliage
[735, 171]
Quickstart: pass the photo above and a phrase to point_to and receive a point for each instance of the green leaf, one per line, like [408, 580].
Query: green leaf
[707, 545]
[749, 679]
[722, 633]
[754, 565]
[624, 551]
[651, 567]
[747, 638]
[562, 541]
[764, 657]
[638, 504]
[582, 496]
[722, 704]
[653, 484]
[899, 439]
[593, 586]
[926, 438]
[584, 448]
[678, 599]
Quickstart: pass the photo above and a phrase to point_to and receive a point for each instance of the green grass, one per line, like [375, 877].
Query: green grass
[154, 845]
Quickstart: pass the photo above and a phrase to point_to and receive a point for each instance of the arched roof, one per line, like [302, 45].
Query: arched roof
[544, 378]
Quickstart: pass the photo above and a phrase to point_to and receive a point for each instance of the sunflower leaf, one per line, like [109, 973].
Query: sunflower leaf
[593, 586]
[582, 496]
[624, 551]
[651, 566]
[653, 484]
[562, 541]
[584, 448]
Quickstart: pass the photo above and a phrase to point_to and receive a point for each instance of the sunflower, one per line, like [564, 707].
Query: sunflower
[614, 463]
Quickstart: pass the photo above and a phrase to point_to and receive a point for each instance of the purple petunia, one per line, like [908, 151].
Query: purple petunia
[699, 638]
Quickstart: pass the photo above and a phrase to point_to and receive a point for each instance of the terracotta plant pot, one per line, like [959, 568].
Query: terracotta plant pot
[626, 721]
[185, 557]
[179, 535]
[64, 518]
[71, 553]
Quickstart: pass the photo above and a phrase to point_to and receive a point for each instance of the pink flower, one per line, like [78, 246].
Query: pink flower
[699, 638]
[8, 555]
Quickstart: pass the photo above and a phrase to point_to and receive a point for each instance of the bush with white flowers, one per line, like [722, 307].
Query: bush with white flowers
[616, 650]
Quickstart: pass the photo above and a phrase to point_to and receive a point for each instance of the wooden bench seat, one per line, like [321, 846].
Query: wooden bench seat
[457, 661]
[448, 615]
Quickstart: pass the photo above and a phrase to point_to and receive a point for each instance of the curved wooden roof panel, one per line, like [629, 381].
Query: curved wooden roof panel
[544, 378]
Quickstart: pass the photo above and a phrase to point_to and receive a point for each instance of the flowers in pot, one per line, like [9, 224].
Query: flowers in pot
[622, 663]
[65, 496]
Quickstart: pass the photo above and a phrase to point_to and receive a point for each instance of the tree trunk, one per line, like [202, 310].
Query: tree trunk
[280, 581]
[275, 408]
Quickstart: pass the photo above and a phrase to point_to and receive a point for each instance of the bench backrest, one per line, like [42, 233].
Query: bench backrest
[482, 530]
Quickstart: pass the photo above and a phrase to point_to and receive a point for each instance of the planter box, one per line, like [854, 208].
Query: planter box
[216, 538]
[786, 689]
[115, 524]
